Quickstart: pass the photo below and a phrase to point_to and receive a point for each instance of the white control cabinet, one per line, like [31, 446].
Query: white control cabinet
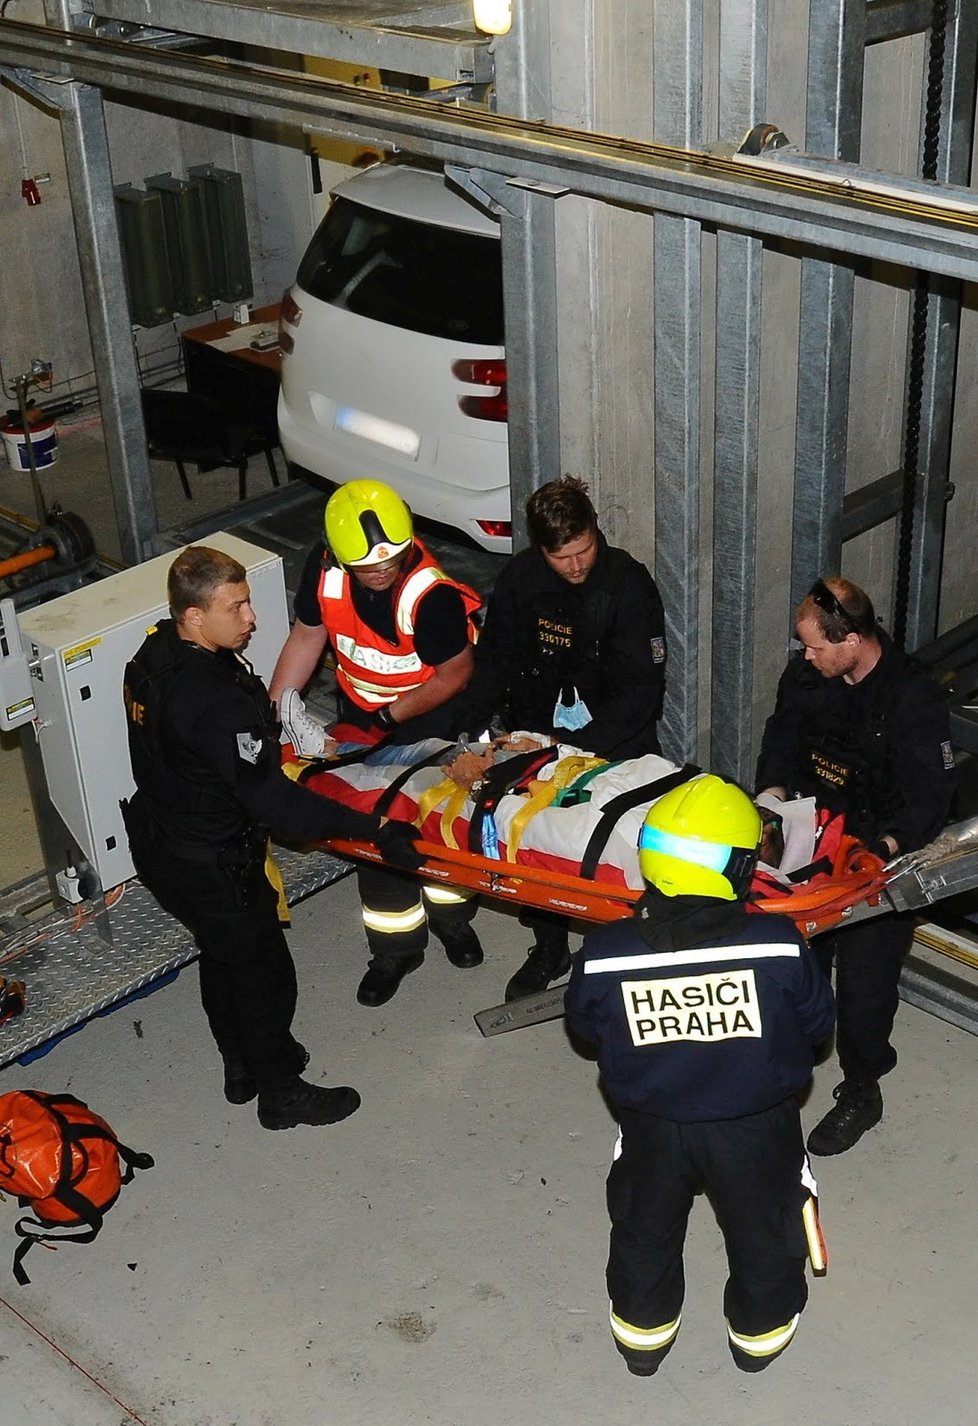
[78, 647]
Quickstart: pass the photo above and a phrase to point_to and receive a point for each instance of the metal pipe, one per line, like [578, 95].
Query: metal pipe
[16, 563]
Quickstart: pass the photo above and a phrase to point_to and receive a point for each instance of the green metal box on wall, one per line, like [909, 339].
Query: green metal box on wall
[227, 232]
[185, 226]
[144, 252]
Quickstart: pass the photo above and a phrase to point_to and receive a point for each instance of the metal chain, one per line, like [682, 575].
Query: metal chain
[918, 330]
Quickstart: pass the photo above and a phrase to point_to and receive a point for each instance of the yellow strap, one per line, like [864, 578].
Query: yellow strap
[294, 766]
[273, 875]
[431, 797]
[452, 809]
[566, 771]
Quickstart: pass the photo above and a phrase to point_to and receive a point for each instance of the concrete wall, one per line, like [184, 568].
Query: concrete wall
[43, 312]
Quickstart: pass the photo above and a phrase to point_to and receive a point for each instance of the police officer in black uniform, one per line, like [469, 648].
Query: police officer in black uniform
[573, 645]
[204, 746]
[863, 729]
[705, 1019]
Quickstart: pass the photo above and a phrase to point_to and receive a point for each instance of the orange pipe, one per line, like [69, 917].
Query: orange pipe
[16, 563]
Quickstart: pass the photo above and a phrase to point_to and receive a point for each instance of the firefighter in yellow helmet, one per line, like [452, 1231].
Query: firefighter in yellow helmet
[401, 633]
[705, 1016]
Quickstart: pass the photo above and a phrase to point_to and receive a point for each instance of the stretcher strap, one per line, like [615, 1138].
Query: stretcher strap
[273, 875]
[431, 797]
[386, 799]
[573, 795]
[624, 802]
[451, 810]
[543, 794]
[500, 779]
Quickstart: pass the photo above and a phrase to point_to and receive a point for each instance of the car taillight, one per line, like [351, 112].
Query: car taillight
[290, 312]
[496, 529]
[483, 373]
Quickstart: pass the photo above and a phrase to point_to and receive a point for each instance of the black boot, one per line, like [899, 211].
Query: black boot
[303, 1103]
[461, 944]
[858, 1106]
[545, 963]
[240, 1085]
[384, 975]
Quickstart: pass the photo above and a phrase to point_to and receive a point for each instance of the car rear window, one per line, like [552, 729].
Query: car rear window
[407, 273]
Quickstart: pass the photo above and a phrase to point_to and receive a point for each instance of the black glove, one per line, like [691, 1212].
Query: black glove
[880, 849]
[396, 843]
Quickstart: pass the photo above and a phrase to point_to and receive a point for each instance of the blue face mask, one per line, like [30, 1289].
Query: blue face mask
[572, 716]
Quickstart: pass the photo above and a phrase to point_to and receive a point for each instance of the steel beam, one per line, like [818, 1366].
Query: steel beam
[438, 41]
[677, 117]
[836, 42]
[89, 176]
[941, 338]
[526, 217]
[743, 82]
[829, 209]
[868, 507]
[889, 19]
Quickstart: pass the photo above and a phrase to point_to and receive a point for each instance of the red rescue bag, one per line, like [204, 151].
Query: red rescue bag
[60, 1160]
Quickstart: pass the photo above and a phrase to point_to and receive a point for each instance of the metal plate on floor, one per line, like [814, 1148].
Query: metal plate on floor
[75, 967]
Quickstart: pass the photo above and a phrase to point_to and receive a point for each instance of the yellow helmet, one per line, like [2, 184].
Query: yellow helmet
[367, 523]
[701, 839]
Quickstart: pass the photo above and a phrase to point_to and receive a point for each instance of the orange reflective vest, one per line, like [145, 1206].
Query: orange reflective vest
[370, 670]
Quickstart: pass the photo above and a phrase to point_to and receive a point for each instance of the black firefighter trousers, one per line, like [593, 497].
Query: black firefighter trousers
[751, 1170]
[397, 910]
[247, 976]
[868, 958]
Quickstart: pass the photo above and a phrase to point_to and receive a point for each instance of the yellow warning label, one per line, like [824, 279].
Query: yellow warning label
[81, 653]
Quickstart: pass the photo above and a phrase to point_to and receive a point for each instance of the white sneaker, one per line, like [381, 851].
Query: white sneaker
[304, 731]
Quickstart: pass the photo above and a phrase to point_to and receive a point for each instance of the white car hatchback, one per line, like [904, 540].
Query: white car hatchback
[393, 364]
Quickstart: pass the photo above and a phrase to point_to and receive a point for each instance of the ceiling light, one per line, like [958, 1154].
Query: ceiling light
[493, 17]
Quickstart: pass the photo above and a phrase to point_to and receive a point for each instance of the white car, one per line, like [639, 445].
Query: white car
[393, 362]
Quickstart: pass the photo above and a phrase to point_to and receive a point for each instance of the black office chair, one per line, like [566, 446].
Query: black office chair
[181, 426]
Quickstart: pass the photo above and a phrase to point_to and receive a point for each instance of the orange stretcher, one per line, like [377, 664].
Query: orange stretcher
[829, 899]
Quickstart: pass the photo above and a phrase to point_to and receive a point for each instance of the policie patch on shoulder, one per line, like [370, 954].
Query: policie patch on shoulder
[658, 647]
[948, 756]
[249, 748]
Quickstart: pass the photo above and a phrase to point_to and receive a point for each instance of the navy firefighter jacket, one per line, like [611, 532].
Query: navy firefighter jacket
[707, 1031]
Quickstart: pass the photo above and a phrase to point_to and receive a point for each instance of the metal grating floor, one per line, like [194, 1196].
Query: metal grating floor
[73, 973]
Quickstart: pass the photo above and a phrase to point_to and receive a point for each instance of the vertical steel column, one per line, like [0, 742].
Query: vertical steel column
[89, 171]
[523, 66]
[677, 118]
[524, 88]
[941, 342]
[743, 64]
[836, 55]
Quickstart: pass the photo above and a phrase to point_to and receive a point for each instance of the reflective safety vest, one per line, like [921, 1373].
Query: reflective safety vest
[370, 669]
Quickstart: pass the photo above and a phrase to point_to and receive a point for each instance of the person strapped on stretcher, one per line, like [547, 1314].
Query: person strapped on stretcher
[524, 801]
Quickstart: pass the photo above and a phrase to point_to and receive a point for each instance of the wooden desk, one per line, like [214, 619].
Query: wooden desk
[243, 380]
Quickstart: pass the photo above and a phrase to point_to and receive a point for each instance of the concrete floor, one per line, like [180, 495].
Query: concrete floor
[437, 1260]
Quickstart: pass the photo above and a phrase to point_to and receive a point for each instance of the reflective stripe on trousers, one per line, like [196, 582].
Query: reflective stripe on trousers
[447, 895]
[643, 1339]
[394, 923]
[768, 1344]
